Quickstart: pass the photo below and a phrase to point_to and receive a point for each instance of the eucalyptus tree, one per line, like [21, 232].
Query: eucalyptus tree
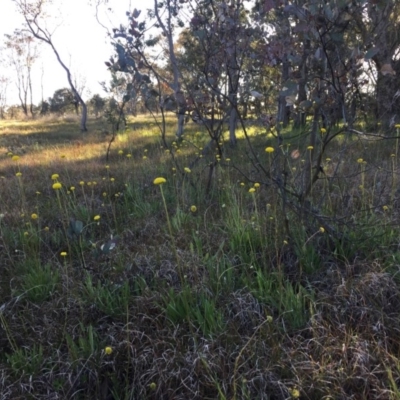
[35, 17]
[22, 54]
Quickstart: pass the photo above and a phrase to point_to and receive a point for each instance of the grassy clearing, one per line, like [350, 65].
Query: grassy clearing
[115, 288]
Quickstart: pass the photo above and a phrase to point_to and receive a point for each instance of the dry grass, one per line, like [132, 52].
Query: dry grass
[229, 306]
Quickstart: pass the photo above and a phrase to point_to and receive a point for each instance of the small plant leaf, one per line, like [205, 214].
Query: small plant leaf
[108, 246]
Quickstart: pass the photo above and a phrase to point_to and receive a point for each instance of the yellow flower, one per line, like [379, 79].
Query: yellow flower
[18, 174]
[46, 228]
[187, 170]
[96, 217]
[310, 148]
[120, 152]
[144, 157]
[107, 166]
[34, 216]
[89, 183]
[295, 393]
[63, 254]
[10, 154]
[322, 229]
[328, 159]
[285, 242]
[397, 126]
[108, 350]
[38, 193]
[360, 160]
[256, 185]
[269, 318]
[112, 179]
[82, 183]
[72, 188]
[55, 177]
[129, 155]
[241, 183]
[228, 159]
[152, 386]
[385, 208]
[104, 194]
[193, 209]
[26, 233]
[159, 181]
[269, 149]
[57, 185]
[323, 130]
[15, 158]
[252, 190]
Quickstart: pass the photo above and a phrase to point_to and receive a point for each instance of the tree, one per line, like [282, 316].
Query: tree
[33, 13]
[62, 100]
[4, 82]
[22, 55]
[98, 103]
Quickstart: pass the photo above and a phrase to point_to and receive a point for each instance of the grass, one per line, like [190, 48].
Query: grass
[237, 287]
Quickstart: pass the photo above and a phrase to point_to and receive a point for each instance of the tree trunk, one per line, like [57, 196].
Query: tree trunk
[283, 116]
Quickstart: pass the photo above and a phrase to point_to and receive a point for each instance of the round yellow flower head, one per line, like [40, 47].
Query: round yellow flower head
[152, 386]
[159, 181]
[120, 152]
[10, 154]
[96, 217]
[252, 190]
[72, 188]
[385, 208]
[55, 177]
[310, 148]
[193, 209]
[63, 254]
[187, 170]
[322, 229]
[241, 183]
[360, 160]
[129, 155]
[34, 216]
[397, 126]
[15, 158]
[256, 185]
[108, 350]
[57, 186]
[323, 130]
[269, 149]
[82, 183]
[295, 393]
[18, 174]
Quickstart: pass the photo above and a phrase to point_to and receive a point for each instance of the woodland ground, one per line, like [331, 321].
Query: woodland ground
[112, 287]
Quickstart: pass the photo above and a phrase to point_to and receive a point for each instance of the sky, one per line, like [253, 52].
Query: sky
[80, 40]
